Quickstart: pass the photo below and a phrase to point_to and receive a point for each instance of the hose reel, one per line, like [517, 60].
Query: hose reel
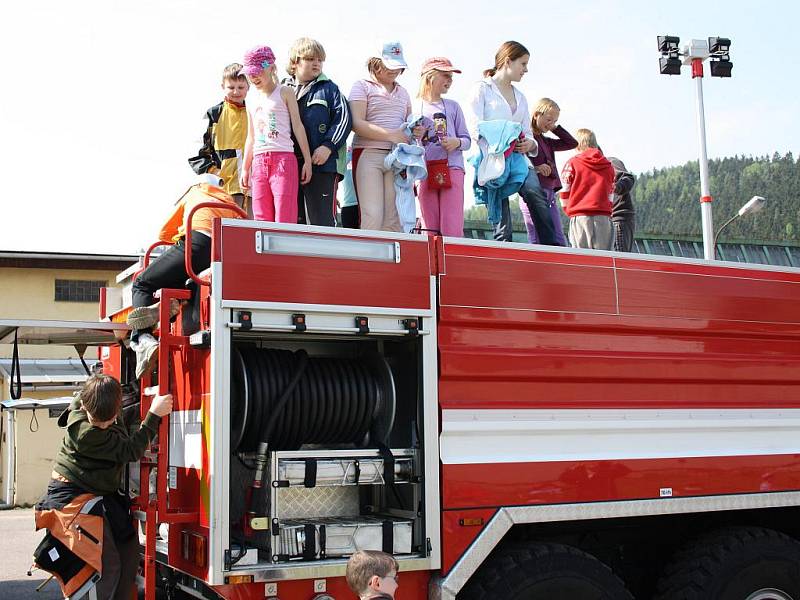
[333, 400]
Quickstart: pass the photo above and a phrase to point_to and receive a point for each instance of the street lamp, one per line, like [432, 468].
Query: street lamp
[716, 49]
[755, 204]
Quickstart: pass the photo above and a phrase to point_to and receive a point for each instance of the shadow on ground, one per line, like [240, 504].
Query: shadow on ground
[25, 589]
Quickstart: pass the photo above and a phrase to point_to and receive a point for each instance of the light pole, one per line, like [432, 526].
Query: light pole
[717, 49]
[755, 204]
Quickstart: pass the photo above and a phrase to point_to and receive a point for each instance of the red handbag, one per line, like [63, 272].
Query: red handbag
[438, 174]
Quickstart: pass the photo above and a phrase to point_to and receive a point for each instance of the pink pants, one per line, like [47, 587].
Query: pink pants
[443, 210]
[274, 181]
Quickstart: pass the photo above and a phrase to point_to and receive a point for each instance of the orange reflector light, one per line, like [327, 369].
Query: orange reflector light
[193, 548]
[472, 522]
[239, 579]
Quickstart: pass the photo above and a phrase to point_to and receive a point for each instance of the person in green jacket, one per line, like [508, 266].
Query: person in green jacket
[96, 447]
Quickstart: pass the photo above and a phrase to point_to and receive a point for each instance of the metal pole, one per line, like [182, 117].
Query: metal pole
[705, 194]
[11, 455]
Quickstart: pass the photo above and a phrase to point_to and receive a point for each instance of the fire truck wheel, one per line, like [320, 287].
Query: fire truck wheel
[741, 563]
[539, 571]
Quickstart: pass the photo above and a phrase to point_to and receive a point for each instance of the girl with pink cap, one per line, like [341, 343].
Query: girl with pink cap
[270, 166]
[441, 194]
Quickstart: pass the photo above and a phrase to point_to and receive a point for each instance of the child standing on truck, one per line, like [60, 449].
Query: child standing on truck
[586, 196]
[95, 449]
[272, 117]
[225, 136]
[623, 216]
[544, 120]
[372, 574]
[169, 269]
[326, 118]
[496, 98]
[441, 194]
[380, 107]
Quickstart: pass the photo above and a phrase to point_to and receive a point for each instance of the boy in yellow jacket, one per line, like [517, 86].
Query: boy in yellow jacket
[226, 132]
[169, 270]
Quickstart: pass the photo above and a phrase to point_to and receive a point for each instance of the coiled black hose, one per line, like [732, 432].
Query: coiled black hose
[330, 400]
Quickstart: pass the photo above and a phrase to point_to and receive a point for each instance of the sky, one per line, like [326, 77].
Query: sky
[102, 102]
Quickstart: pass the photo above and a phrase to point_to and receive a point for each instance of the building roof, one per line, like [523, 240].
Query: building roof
[33, 403]
[63, 333]
[50, 371]
[66, 260]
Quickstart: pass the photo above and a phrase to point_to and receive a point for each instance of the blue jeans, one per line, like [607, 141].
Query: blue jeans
[555, 214]
[538, 202]
[529, 192]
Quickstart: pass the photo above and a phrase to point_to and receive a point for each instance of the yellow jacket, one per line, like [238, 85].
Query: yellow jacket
[223, 144]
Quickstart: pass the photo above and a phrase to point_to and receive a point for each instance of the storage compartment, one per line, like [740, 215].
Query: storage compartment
[341, 468]
[334, 537]
[325, 435]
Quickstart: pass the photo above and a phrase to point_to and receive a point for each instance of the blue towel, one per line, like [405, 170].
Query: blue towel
[498, 135]
[407, 162]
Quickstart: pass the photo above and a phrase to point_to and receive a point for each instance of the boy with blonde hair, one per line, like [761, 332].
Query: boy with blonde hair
[372, 574]
[588, 179]
[225, 135]
[326, 117]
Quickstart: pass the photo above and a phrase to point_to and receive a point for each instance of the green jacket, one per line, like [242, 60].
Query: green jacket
[93, 458]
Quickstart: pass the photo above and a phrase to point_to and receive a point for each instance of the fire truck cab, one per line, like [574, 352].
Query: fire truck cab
[505, 419]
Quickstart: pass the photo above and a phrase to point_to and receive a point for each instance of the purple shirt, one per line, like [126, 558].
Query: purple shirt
[447, 120]
[548, 146]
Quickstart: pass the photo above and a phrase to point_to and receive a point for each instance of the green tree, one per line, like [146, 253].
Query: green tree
[667, 199]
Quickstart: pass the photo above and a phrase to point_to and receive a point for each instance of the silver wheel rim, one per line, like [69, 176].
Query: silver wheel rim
[769, 594]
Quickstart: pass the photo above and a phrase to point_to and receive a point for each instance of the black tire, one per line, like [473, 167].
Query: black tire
[546, 572]
[735, 564]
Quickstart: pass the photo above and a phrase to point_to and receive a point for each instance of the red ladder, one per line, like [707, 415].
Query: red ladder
[157, 510]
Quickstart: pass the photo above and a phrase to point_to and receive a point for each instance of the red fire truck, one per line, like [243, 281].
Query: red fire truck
[508, 420]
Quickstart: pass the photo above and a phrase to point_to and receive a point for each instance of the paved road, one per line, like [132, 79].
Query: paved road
[18, 542]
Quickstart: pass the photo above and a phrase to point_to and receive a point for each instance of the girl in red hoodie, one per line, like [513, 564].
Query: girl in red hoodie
[588, 179]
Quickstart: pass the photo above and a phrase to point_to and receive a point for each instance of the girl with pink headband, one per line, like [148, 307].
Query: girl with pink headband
[270, 166]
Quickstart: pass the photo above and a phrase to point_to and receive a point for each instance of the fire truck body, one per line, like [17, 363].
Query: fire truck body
[475, 408]
[564, 386]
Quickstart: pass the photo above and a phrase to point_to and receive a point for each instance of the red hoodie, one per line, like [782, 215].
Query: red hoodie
[588, 180]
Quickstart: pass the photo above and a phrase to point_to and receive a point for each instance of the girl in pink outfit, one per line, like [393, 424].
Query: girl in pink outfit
[270, 166]
[441, 195]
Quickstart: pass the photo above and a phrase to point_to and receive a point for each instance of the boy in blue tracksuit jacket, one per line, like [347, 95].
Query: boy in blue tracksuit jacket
[326, 118]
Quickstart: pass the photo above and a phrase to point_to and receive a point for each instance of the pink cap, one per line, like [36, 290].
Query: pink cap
[256, 60]
[438, 63]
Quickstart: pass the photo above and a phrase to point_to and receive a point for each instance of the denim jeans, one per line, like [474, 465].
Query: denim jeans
[555, 214]
[538, 204]
[504, 229]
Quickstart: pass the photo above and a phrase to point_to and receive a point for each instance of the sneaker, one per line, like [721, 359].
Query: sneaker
[146, 317]
[146, 349]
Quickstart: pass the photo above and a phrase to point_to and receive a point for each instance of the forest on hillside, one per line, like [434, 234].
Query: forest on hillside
[667, 199]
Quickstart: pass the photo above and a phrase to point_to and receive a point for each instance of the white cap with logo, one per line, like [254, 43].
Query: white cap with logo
[392, 56]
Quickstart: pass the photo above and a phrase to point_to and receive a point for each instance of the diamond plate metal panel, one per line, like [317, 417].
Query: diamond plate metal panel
[298, 503]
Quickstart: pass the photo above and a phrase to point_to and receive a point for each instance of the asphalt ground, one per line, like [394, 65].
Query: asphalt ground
[18, 539]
